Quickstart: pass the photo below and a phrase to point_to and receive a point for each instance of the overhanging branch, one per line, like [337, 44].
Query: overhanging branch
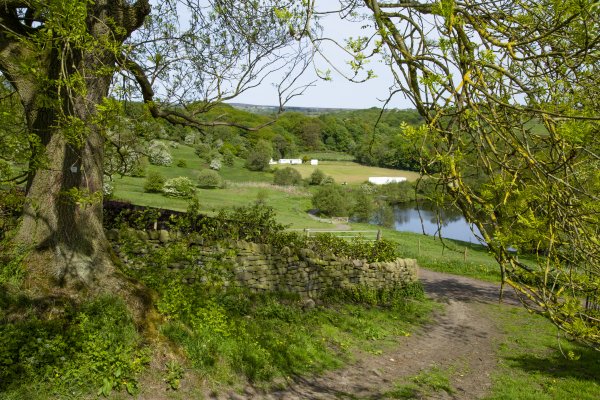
[175, 117]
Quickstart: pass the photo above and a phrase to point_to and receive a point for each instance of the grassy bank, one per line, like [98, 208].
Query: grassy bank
[535, 363]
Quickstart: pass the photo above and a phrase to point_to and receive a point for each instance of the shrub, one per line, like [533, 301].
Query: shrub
[203, 151]
[139, 168]
[215, 164]
[364, 207]
[209, 179]
[287, 176]
[331, 200]
[107, 188]
[11, 207]
[262, 196]
[379, 251]
[181, 163]
[158, 154]
[316, 178]
[190, 139]
[179, 187]
[228, 157]
[154, 182]
[259, 157]
[328, 180]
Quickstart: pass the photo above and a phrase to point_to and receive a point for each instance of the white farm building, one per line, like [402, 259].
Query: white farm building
[290, 161]
[384, 180]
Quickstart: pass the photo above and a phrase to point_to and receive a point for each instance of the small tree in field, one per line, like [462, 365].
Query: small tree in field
[287, 176]
[316, 178]
[209, 179]
[259, 156]
[154, 182]
[331, 200]
[182, 187]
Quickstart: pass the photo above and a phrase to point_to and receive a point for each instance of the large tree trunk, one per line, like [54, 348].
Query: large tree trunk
[62, 222]
[63, 212]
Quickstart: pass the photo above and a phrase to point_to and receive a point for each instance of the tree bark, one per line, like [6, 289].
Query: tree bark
[62, 221]
[63, 211]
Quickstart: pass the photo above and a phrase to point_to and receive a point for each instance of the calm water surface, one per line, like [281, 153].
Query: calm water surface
[454, 225]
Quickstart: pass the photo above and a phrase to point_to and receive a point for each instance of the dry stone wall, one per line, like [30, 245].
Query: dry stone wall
[261, 268]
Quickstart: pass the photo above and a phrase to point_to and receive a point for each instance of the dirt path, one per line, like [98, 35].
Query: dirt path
[461, 339]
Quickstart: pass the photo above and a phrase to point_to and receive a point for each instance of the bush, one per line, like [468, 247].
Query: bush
[107, 188]
[204, 151]
[11, 207]
[287, 176]
[316, 178]
[328, 180]
[228, 157]
[364, 206]
[154, 182]
[379, 251]
[215, 164]
[331, 200]
[179, 187]
[259, 157]
[159, 154]
[190, 139]
[138, 169]
[181, 163]
[209, 179]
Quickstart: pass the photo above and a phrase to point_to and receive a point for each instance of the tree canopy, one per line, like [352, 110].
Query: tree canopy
[509, 93]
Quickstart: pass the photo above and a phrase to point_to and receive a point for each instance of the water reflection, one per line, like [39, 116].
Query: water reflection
[454, 225]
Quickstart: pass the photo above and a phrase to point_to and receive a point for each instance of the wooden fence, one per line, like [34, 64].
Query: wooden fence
[592, 302]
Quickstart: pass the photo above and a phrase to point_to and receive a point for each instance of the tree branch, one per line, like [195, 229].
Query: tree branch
[175, 117]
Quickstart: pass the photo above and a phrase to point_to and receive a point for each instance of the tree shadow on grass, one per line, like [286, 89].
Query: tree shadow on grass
[586, 366]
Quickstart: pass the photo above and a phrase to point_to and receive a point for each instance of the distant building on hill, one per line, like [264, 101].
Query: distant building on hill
[384, 180]
[290, 161]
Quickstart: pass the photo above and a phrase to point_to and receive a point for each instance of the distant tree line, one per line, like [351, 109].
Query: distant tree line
[370, 136]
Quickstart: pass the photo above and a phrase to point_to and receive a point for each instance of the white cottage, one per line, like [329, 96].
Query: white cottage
[384, 180]
[290, 161]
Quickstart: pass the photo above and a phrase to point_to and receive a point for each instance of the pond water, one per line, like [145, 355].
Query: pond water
[422, 217]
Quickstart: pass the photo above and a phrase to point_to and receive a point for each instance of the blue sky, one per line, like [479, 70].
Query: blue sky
[339, 92]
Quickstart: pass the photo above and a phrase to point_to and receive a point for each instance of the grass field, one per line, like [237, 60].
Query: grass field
[535, 363]
[351, 172]
[244, 187]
